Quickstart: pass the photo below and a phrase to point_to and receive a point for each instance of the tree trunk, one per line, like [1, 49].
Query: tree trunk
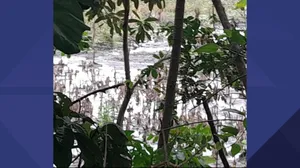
[93, 41]
[214, 132]
[240, 64]
[173, 73]
[126, 63]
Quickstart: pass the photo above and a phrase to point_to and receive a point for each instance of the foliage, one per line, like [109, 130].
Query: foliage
[104, 115]
[241, 4]
[187, 147]
[214, 57]
[68, 25]
[106, 144]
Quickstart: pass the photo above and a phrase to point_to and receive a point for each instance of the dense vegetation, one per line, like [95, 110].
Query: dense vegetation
[196, 51]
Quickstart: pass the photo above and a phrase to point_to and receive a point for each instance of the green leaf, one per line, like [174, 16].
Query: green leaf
[196, 161]
[208, 159]
[133, 21]
[136, 3]
[230, 130]
[150, 137]
[118, 155]
[63, 143]
[156, 56]
[87, 127]
[219, 146]
[111, 4]
[151, 19]
[241, 4]
[115, 132]
[148, 35]
[120, 13]
[159, 4]
[150, 5]
[119, 2]
[228, 32]
[225, 136]
[128, 132]
[65, 136]
[155, 139]
[154, 73]
[134, 12]
[245, 123]
[208, 48]
[161, 54]
[237, 37]
[235, 149]
[129, 84]
[90, 151]
[62, 155]
[157, 90]
[68, 26]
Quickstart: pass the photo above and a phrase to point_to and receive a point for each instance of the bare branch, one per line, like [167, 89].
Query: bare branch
[103, 90]
[198, 122]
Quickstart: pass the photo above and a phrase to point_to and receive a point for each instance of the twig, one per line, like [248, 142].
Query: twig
[80, 106]
[198, 122]
[214, 132]
[103, 90]
[75, 158]
[105, 148]
[79, 163]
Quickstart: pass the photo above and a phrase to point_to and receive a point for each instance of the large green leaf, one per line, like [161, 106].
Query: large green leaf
[91, 152]
[62, 155]
[116, 133]
[230, 130]
[117, 152]
[63, 143]
[68, 26]
[208, 48]
[235, 149]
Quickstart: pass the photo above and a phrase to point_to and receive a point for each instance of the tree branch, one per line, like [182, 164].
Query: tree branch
[198, 122]
[103, 90]
[214, 132]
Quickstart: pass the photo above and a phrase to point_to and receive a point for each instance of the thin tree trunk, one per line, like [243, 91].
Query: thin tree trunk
[93, 41]
[126, 63]
[173, 73]
[240, 64]
[214, 132]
